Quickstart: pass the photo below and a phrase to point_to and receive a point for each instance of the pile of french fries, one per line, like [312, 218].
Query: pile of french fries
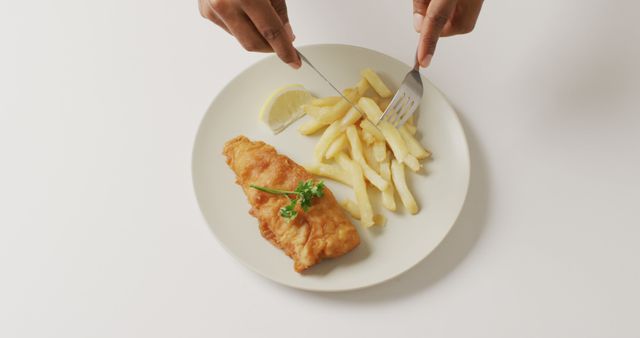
[354, 150]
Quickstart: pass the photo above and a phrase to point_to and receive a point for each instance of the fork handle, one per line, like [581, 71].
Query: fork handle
[416, 65]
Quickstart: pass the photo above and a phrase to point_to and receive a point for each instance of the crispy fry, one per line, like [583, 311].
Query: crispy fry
[358, 157]
[311, 127]
[370, 108]
[333, 131]
[379, 219]
[375, 97]
[367, 137]
[360, 189]
[388, 199]
[352, 116]
[414, 147]
[391, 134]
[412, 163]
[379, 150]
[372, 129]
[352, 208]
[399, 180]
[326, 101]
[330, 171]
[411, 120]
[371, 160]
[327, 137]
[318, 113]
[339, 110]
[338, 145]
[395, 141]
[360, 149]
[343, 160]
[376, 82]
[384, 103]
[411, 128]
[361, 87]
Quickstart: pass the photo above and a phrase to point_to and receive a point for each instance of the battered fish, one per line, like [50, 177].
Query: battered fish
[322, 232]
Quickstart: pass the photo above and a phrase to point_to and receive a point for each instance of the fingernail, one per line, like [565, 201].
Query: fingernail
[294, 65]
[289, 30]
[426, 61]
[417, 21]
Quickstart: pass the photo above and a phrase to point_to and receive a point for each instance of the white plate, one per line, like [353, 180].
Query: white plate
[385, 252]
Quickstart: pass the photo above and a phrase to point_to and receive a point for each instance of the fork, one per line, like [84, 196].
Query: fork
[405, 103]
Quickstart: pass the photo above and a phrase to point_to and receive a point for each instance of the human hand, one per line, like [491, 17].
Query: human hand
[259, 25]
[436, 18]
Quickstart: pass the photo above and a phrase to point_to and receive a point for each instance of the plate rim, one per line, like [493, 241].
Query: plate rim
[466, 156]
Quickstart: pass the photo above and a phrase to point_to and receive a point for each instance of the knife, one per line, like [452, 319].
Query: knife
[304, 58]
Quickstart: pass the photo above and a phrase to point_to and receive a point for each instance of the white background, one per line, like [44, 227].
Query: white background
[101, 236]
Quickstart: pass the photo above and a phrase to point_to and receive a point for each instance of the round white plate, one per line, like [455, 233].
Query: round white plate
[385, 252]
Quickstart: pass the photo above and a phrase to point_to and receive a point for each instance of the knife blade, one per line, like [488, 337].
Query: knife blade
[305, 60]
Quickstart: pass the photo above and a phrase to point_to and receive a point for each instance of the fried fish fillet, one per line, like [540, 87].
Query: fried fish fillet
[322, 232]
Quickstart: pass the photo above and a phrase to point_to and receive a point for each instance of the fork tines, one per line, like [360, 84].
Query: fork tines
[405, 103]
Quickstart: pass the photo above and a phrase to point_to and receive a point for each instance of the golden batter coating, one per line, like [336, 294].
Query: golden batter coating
[324, 231]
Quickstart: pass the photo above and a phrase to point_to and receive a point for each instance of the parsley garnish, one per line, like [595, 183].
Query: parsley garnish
[304, 192]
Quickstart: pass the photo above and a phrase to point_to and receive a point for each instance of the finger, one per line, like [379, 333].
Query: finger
[207, 12]
[436, 17]
[463, 19]
[280, 6]
[240, 27]
[268, 23]
[449, 29]
[419, 10]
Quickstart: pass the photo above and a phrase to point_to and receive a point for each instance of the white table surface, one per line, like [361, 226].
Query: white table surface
[101, 236]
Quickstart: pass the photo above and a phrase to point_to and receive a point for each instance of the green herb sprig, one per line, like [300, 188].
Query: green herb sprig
[304, 192]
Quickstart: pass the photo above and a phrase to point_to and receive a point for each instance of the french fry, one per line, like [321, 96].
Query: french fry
[358, 157]
[384, 103]
[411, 128]
[333, 131]
[375, 97]
[360, 189]
[311, 127]
[355, 149]
[347, 92]
[330, 134]
[411, 120]
[376, 83]
[330, 171]
[370, 108]
[352, 116]
[391, 134]
[372, 129]
[326, 101]
[412, 163]
[338, 145]
[414, 147]
[388, 199]
[344, 161]
[361, 87]
[395, 141]
[352, 208]
[339, 110]
[379, 219]
[371, 160]
[379, 149]
[367, 137]
[400, 182]
[318, 113]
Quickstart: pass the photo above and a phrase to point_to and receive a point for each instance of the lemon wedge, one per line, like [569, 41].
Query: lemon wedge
[284, 106]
